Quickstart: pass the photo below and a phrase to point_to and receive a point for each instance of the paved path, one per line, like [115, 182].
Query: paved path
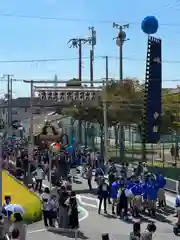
[93, 225]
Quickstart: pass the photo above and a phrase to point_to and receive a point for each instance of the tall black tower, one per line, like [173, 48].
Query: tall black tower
[153, 95]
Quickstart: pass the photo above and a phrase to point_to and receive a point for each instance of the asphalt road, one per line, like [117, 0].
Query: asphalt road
[93, 225]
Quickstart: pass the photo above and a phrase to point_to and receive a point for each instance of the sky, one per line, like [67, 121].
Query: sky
[50, 24]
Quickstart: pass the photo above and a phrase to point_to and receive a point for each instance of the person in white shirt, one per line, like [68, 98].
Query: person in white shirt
[39, 176]
[47, 208]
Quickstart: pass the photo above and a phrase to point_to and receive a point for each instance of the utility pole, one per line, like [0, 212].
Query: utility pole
[31, 135]
[9, 100]
[56, 80]
[77, 43]
[120, 39]
[105, 112]
[93, 43]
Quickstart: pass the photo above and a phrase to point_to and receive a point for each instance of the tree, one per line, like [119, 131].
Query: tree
[124, 104]
[171, 111]
[125, 101]
[75, 82]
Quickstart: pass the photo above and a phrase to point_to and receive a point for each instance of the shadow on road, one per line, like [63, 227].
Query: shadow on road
[68, 233]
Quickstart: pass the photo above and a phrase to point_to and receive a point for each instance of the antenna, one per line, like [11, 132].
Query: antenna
[115, 25]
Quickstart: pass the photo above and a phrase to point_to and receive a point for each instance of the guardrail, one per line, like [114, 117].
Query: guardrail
[171, 185]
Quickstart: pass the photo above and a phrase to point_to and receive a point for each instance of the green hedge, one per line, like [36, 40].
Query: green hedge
[169, 172]
[126, 160]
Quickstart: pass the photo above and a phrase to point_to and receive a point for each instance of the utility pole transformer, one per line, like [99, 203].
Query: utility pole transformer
[120, 39]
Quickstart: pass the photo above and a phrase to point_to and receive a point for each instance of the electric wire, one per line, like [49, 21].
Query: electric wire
[84, 58]
[100, 21]
[59, 81]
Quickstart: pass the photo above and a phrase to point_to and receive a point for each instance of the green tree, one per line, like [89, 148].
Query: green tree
[171, 111]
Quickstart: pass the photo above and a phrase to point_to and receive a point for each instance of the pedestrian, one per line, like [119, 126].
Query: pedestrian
[89, 177]
[122, 202]
[2, 228]
[39, 176]
[7, 200]
[54, 209]
[148, 233]
[46, 207]
[113, 193]
[173, 152]
[18, 223]
[63, 208]
[103, 194]
[15, 235]
[7, 214]
[73, 211]
[136, 234]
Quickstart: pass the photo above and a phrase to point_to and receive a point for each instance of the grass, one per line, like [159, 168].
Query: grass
[22, 196]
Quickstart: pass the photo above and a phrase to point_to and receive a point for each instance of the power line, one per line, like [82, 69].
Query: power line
[84, 58]
[56, 18]
[101, 21]
[84, 79]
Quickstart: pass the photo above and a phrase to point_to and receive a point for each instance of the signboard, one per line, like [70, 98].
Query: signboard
[153, 89]
[68, 94]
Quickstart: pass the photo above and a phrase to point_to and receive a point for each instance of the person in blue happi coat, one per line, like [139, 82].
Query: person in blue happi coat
[177, 205]
[152, 189]
[161, 182]
[137, 190]
[103, 194]
[144, 185]
[114, 191]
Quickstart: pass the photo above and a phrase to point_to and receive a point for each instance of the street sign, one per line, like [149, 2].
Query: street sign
[68, 94]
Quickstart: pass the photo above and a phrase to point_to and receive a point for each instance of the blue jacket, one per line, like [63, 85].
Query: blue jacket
[161, 181]
[114, 189]
[145, 186]
[137, 190]
[177, 202]
[129, 184]
[152, 191]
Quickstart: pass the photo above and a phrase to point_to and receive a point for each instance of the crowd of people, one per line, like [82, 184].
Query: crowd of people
[12, 225]
[128, 194]
[136, 193]
[60, 209]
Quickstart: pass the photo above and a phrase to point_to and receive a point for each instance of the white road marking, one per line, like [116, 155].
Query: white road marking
[86, 215]
[80, 197]
[49, 114]
[170, 201]
[38, 230]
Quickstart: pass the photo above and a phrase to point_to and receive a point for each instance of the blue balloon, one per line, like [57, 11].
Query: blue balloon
[149, 25]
